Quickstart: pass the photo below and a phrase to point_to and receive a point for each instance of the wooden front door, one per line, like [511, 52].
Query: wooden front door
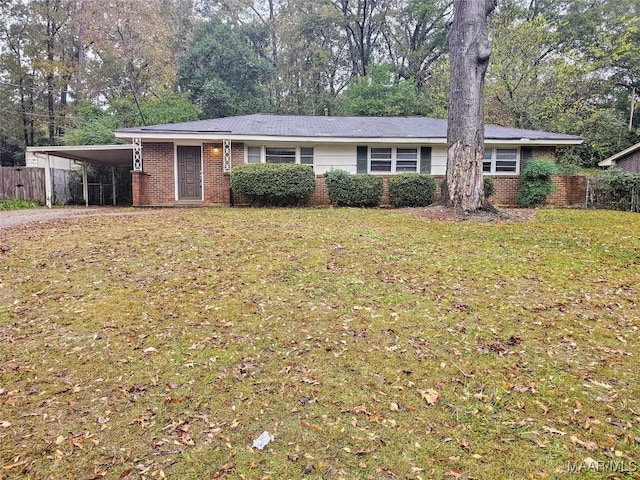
[189, 181]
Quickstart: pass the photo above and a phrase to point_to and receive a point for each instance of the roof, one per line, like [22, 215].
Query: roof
[611, 161]
[106, 155]
[327, 127]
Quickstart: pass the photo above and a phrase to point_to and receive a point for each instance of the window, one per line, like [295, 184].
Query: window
[388, 159]
[306, 155]
[381, 159]
[280, 155]
[506, 160]
[500, 160]
[254, 154]
[487, 160]
[406, 160]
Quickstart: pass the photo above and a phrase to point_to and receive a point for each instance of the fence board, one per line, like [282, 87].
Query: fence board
[22, 184]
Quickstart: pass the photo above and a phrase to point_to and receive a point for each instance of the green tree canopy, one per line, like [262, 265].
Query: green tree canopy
[223, 74]
[381, 93]
[95, 126]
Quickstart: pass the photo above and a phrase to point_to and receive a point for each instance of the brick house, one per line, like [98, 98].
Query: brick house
[189, 163]
[627, 160]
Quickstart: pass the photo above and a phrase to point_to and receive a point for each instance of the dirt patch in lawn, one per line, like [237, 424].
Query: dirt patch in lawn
[442, 213]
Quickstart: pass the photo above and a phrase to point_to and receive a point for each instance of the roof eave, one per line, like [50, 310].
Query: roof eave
[608, 162]
[217, 137]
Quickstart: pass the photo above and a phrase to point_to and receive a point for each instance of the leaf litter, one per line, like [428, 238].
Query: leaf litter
[373, 344]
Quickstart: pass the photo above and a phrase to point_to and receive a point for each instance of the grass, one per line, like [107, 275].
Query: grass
[371, 344]
[15, 204]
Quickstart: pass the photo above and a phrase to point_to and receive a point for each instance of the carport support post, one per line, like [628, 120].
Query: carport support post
[85, 184]
[113, 185]
[48, 193]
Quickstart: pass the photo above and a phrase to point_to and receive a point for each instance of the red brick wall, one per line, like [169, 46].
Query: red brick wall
[544, 152]
[158, 186]
[572, 190]
[140, 188]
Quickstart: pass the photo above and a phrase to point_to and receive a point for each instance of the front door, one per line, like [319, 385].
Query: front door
[189, 182]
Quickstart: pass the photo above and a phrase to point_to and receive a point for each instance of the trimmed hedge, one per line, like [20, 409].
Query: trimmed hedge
[360, 190]
[274, 184]
[537, 184]
[411, 190]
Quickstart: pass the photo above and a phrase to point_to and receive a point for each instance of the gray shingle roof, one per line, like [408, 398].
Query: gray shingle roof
[341, 127]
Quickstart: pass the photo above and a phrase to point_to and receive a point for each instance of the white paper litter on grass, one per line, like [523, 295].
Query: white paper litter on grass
[262, 441]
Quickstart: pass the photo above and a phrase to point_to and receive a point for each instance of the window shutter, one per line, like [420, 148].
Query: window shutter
[425, 160]
[526, 154]
[363, 152]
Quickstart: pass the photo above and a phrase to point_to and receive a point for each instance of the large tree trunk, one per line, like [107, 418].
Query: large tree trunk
[469, 52]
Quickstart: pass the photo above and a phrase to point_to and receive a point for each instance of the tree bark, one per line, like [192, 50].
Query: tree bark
[469, 52]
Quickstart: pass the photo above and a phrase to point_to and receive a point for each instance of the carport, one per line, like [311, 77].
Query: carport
[103, 155]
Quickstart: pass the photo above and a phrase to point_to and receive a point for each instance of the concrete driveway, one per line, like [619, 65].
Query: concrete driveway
[14, 218]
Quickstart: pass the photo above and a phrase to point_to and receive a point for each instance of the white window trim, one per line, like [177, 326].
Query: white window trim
[394, 159]
[494, 153]
[263, 153]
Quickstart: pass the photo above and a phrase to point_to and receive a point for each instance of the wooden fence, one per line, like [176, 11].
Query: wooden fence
[22, 183]
[28, 184]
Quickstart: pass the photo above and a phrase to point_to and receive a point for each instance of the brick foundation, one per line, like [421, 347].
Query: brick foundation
[571, 191]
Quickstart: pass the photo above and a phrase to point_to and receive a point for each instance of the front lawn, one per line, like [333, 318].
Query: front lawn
[371, 344]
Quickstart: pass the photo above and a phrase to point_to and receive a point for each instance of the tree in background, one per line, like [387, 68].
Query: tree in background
[381, 93]
[222, 73]
[558, 67]
[469, 50]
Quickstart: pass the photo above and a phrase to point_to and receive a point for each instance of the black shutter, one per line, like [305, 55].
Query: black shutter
[526, 154]
[363, 153]
[425, 160]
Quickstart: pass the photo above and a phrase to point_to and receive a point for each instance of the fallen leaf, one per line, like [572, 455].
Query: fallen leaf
[430, 396]
[553, 430]
[149, 350]
[310, 426]
[223, 472]
[453, 473]
[591, 446]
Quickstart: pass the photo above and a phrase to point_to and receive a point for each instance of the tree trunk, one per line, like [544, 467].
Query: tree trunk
[469, 52]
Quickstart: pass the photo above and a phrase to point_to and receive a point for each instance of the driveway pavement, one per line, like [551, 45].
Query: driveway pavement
[14, 218]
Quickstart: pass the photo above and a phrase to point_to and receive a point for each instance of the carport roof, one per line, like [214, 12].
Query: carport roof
[104, 155]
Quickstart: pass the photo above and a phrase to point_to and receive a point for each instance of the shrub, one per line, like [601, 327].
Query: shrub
[616, 190]
[487, 182]
[411, 190]
[360, 190]
[15, 204]
[274, 184]
[536, 182]
[489, 187]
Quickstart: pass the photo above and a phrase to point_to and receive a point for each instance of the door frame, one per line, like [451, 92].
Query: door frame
[177, 171]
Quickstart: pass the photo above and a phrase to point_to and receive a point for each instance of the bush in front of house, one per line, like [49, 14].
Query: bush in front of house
[274, 184]
[359, 190]
[411, 190]
[617, 190]
[489, 186]
[537, 184]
